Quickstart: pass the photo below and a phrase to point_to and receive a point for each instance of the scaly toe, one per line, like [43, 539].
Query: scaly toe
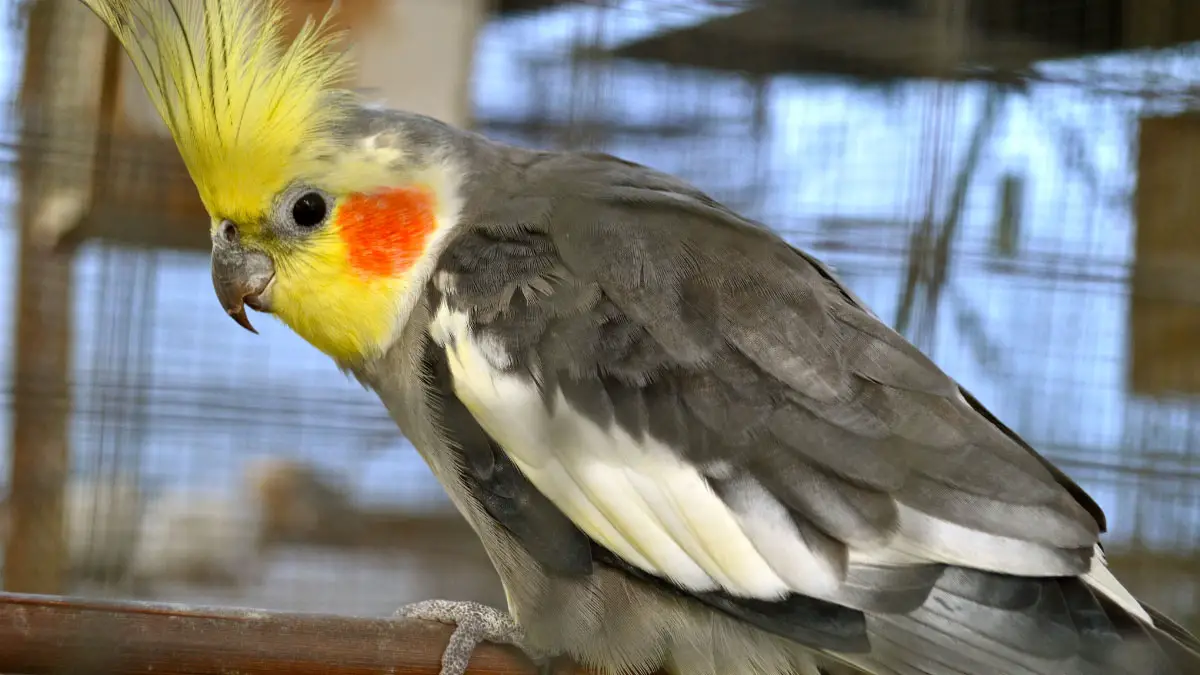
[474, 623]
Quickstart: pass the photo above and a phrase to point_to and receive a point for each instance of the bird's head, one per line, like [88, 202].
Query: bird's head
[317, 216]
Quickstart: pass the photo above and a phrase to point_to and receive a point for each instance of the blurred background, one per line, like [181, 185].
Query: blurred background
[1013, 184]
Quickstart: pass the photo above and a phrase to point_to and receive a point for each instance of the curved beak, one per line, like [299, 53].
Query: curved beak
[241, 277]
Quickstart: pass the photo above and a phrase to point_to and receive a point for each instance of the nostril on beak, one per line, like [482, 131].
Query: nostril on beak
[229, 232]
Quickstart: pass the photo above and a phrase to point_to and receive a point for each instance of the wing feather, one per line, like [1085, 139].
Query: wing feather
[716, 412]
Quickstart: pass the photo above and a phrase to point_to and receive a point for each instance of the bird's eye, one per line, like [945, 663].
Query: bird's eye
[309, 210]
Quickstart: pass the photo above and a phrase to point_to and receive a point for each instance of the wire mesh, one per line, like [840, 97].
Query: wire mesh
[973, 175]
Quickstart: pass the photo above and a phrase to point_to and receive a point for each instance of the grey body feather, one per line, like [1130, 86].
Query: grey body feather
[651, 307]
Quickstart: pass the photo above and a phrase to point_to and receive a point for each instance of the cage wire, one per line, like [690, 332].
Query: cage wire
[970, 169]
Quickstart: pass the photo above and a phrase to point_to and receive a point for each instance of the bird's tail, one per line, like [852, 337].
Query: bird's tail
[1175, 645]
[981, 623]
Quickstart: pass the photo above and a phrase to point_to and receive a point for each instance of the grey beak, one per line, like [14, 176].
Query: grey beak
[239, 275]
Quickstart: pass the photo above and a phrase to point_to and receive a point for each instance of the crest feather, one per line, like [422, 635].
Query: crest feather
[248, 113]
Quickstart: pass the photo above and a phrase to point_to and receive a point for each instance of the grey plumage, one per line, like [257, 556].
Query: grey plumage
[682, 442]
[653, 309]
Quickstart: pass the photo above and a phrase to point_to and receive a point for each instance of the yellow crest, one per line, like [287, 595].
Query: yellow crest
[248, 113]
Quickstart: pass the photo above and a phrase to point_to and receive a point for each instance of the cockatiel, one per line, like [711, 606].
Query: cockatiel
[684, 444]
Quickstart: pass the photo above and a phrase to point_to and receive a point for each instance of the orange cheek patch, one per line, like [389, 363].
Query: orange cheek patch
[386, 232]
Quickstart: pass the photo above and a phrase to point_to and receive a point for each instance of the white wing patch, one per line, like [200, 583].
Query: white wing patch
[934, 539]
[656, 511]
[636, 498]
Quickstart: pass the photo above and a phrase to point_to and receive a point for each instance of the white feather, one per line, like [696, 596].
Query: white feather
[1101, 579]
[938, 540]
[636, 497]
[767, 523]
[643, 502]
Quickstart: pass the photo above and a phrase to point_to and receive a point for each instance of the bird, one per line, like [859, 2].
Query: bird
[225, 537]
[685, 444]
[203, 538]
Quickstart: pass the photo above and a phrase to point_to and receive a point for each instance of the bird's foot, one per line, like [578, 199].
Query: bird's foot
[474, 623]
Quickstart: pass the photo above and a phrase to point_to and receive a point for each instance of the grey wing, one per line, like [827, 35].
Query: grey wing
[632, 305]
[1078, 493]
[855, 429]
[552, 539]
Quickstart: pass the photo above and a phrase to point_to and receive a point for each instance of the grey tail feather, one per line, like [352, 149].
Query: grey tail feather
[1178, 650]
[1108, 639]
[977, 621]
[1178, 633]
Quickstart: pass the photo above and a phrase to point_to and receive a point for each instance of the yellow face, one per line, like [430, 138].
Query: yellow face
[319, 233]
[338, 264]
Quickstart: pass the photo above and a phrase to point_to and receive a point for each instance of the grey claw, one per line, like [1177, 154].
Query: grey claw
[473, 623]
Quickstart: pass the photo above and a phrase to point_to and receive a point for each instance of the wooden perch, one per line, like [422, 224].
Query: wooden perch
[54, 634]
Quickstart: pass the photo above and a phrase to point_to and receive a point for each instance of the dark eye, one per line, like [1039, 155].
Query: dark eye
[309, 210]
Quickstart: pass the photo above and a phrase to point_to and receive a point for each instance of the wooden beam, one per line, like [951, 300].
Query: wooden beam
[51, 197]
[1164, 308]
[893, 39]
[53, 634]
